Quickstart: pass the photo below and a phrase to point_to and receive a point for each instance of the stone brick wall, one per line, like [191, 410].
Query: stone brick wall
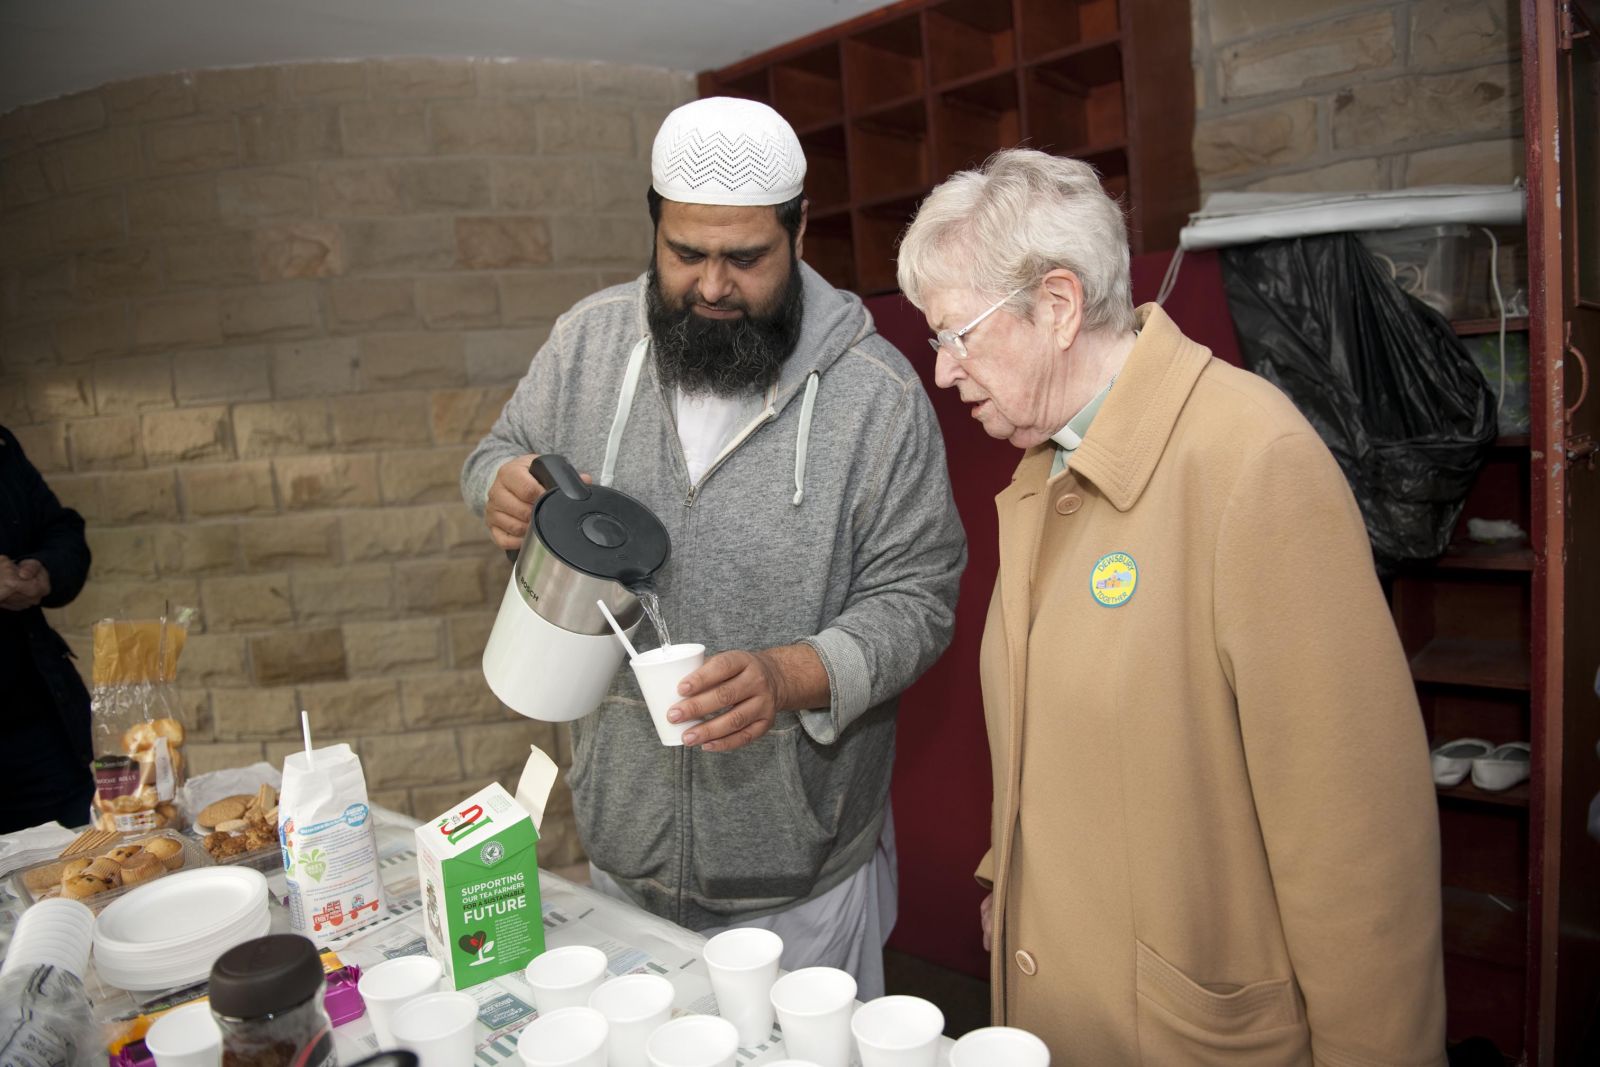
[251, 323]
[1327, 95]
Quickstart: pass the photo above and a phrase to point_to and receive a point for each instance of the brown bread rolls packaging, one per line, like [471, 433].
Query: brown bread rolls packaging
[139, 733]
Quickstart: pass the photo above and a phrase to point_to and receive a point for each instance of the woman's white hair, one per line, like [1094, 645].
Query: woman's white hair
[1009, 223]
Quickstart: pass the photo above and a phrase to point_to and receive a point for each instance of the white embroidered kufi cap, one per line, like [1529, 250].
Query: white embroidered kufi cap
[727, 151]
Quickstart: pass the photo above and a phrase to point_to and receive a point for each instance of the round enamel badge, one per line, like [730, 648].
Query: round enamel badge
[1114, 579]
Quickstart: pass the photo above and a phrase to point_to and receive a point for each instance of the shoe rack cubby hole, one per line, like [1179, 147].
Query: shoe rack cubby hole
[756, 85]
[1484, 876]
[969, 38]
[1050, 26]
[889, 153]
[808, 89]
[827, 169]
[971, 119]
[1468, 629]
[884, 64]
[878, 230]
[829, 246]
[1075, 101]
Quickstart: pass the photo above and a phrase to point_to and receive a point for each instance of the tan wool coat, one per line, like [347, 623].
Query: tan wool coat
[1214, 831]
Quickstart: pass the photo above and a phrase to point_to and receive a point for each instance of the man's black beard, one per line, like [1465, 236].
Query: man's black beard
[725, 357]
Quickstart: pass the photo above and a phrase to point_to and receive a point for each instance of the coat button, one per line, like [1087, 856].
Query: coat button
[1026, 963]
[1068, 504]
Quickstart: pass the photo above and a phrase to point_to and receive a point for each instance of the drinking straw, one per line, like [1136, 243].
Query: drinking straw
[632, 655]
[305, 731]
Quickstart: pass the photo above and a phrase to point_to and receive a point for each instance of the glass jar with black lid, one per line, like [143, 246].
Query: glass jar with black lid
[266, 996]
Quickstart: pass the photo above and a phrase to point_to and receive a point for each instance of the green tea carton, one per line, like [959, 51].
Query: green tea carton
[479, 869]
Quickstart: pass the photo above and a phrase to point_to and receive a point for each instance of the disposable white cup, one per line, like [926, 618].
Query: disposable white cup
[694, 1041]
[565, 977]
[58, 932]
[813, 1006]
[186, 1037]
[898, 1032]
[439, 1028]
[566, 1037]
[634, 1005]
[744, 965]
[999, 1044]
[659, 671]
[391, 985]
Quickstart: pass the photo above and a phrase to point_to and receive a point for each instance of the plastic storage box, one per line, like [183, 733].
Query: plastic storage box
[1448, 267]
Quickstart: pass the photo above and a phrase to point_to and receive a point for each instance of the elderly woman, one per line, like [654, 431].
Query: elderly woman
[1214, 837]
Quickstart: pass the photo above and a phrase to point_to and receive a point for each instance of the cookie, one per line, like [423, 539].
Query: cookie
[224, 810]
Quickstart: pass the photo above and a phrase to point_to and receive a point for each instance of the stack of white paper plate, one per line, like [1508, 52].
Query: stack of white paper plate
[168, 933]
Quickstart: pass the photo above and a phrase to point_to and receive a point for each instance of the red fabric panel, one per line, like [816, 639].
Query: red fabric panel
[941, 784]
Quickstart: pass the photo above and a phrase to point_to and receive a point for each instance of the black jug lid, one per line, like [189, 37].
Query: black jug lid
[265, 976]
[603, 532]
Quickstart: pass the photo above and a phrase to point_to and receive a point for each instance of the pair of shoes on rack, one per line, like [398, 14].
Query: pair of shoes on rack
[1493, 768]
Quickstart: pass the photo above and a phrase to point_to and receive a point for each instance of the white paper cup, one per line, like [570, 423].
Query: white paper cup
[659, 671]
[439, 1028]
[744, 965]
[566, 1037]
[898, 1032]
[56, 931]
[694, 1041]
[999, 1044]
[186, 1037]
[565, 977]
[634, 1005]
[813, 1006]
[391, 985]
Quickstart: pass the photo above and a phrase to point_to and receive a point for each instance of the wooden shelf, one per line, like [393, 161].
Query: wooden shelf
[889, 104]
[1483, 927]
[1474, 327]
[827, 168]
[1467, 793]
[883, 63]
[1479, 663]
[1048, 27]
[1086, 63]
[971, 119]
[1077, 100]
[1468, 556]
[830, 247]
[807, 89]
[967, 38]
[889, 150]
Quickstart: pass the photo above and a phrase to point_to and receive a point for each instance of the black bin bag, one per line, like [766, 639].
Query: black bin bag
[1380, 375]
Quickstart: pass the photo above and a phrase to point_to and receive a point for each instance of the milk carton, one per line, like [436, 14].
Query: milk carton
[479, 870]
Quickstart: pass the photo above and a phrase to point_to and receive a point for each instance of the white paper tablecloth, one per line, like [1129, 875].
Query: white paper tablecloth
[633, 940]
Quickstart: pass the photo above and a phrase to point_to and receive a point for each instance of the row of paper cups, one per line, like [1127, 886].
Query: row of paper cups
[588, 1021]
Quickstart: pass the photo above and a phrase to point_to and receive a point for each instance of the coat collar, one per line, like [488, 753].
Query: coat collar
[1123, 446]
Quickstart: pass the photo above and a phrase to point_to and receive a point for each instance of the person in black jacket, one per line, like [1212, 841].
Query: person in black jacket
[44, 707]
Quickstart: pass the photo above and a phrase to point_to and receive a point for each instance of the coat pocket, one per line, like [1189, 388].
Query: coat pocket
[757, 842]
[1184, 1022]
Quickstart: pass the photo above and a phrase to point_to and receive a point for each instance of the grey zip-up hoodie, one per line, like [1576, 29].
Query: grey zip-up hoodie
[830, 522]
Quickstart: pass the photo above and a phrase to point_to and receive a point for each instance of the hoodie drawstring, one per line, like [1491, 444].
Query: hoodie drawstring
[630, 386]
[619, 421]
[803, 438]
